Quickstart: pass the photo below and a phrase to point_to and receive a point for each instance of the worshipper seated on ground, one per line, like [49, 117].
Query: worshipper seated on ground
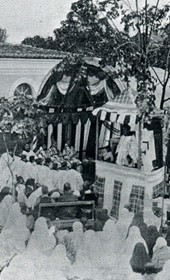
[138, 220]
[75, 158]
[52, 150]
[29, 216]
[55, 194]
[32, 199]
[47, 212]
[67, 212]
[32, 160]
[5, 191]
[101, 218]
[68, 151]
[39, 161]
[88, 193]
[161, 254]
[139, 258]
[20, 189]
[48, 162]
[42, 151]
[151, 237]
[29, 187]
[44, 198]
[24, 158]
[84, 222]
[27, 151]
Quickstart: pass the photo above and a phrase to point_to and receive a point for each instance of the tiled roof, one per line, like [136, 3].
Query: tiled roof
[23, 51]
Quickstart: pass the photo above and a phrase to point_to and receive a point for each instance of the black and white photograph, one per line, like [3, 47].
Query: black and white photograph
[85, 140]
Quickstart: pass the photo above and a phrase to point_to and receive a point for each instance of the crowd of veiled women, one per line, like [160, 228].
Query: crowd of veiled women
[33, 248]
[130, 248]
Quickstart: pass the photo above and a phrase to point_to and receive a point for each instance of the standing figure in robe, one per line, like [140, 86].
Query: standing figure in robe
[127, 151]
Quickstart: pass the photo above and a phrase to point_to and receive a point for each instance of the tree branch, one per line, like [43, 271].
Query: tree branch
[166, 99]
[157, 76]
[153, 23]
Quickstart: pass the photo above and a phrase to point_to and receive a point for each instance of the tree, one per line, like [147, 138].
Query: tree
[136, 55]
[39, 42]
[84, 32]
[3, 35]
[91, 29]
[22, 116]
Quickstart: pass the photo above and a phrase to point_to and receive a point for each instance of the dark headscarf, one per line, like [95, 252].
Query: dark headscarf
[5, 191]
[101, 218]
[137, 219]
[139, 258]
[139, 222]
[152, 235]
[143, 230]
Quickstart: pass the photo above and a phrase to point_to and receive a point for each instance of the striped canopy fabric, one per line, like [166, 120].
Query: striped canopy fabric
[122, 109]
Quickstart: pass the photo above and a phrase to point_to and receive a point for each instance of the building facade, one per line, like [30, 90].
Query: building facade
[23, 68]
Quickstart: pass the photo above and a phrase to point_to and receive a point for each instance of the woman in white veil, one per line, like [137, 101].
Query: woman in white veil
[5, 208]
[88, 258]
[58, 261]
[76, 236]
[134, 236]
[40, 240]
[15, 233]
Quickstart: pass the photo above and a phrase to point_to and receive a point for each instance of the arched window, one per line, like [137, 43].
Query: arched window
[23, 89]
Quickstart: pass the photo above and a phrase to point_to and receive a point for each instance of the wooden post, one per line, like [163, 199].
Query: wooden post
[162, 212]
[97, 137]
[139, 145]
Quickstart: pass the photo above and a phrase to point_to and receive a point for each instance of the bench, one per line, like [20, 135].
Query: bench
[87, 205]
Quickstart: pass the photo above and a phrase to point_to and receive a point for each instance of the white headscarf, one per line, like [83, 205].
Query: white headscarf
[160, 243]
[150, 218]
[59, 258]
[40, 240]
[15, 233]
[85, 258]
[5, 208]
[133, 238]
[111, 236]
[76, 235]
[31, 201]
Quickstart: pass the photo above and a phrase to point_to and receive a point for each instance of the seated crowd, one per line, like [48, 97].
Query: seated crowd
[128, 248]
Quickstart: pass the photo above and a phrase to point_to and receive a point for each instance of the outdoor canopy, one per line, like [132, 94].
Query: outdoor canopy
[78, 83]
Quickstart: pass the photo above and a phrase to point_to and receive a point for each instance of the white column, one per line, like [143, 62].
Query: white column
[50, 131]
[78, 135]
[59, 136]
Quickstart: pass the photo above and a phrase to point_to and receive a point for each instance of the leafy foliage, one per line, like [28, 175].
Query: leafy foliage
[22, 115]
[90, 29]
[39, 42]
